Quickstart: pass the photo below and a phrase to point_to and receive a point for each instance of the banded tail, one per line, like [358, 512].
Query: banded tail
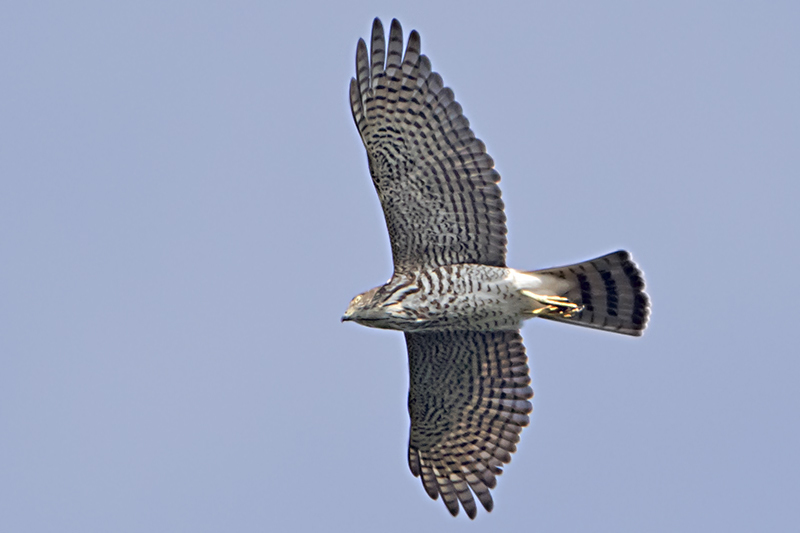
[608, 291]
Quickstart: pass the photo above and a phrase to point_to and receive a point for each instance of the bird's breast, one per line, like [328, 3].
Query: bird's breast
[457, 297]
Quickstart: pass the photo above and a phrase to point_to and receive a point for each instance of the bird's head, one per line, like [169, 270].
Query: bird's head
[360, 307]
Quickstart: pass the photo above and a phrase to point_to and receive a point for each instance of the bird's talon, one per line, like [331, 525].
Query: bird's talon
[553, 304]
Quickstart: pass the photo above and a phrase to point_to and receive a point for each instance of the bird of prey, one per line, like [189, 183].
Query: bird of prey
[458, 304]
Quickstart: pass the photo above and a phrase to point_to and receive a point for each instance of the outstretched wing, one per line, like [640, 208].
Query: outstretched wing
[468, 402]
[435, 181]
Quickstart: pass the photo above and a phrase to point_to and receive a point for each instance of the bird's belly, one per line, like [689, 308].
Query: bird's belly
[463, 297]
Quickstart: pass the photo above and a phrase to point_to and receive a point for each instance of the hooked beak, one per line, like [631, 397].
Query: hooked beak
[346, 318]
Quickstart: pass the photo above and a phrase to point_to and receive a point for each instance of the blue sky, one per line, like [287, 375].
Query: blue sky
[185, 212]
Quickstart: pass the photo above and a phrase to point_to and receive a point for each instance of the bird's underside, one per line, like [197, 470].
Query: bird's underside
[604, 293]
[452, 295]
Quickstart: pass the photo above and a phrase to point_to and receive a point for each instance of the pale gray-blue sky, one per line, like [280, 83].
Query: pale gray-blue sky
[185, 212]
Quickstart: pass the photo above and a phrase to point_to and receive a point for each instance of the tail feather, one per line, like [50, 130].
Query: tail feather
[609, 291]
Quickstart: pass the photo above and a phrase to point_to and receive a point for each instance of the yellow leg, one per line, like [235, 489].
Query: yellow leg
[553, 304]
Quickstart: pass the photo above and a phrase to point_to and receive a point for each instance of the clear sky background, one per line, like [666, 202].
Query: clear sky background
[185, 212]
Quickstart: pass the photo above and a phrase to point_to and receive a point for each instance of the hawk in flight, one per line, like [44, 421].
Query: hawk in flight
[458, 304]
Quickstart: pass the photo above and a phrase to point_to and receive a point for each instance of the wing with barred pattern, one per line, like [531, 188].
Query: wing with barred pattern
[468, 402]
[436, 183]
